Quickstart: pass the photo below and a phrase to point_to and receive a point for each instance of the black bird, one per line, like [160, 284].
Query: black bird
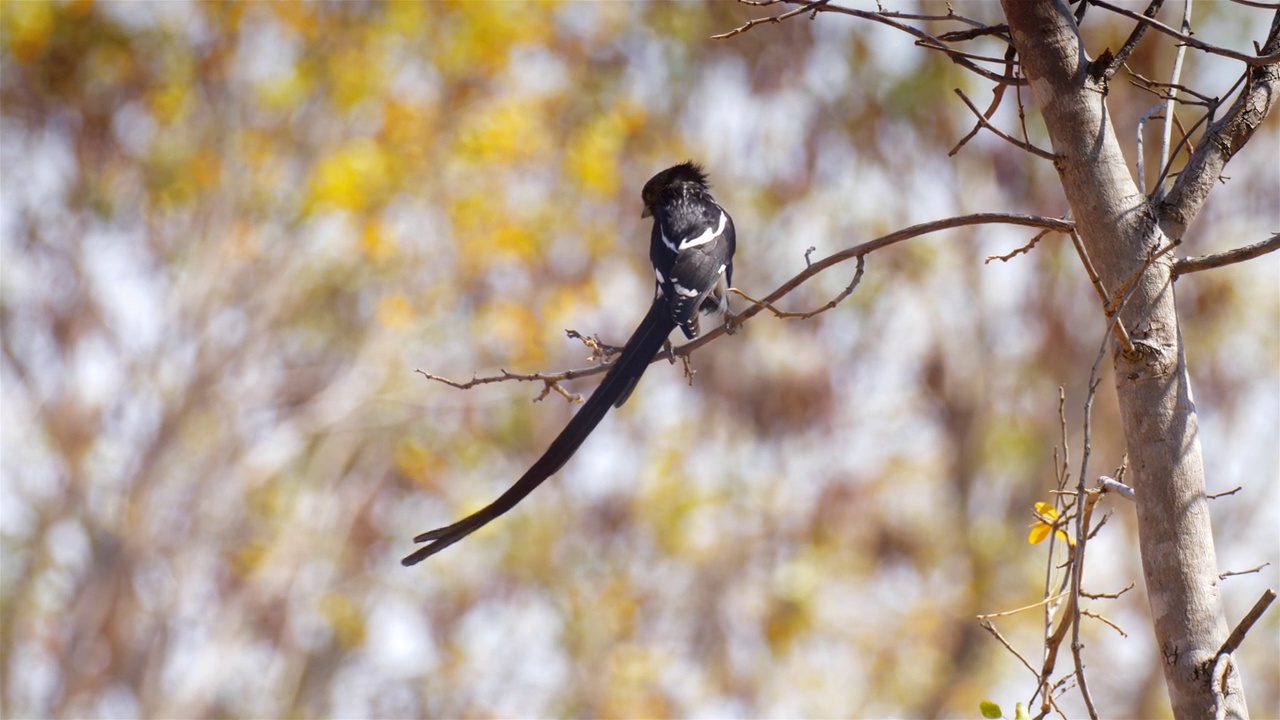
[691, 248]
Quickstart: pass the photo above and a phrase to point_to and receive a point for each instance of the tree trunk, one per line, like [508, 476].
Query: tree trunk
[1120, 230]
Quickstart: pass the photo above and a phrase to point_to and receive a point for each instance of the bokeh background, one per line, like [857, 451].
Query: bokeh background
[231, 232]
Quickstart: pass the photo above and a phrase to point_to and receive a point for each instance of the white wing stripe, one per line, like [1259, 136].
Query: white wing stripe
[702, 239]
[670, 244]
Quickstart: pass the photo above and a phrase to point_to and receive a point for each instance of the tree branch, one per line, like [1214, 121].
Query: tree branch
[773, 19]
[1237, 635]
[1182, 266]
[1000, 133]
[1221, 141]
[1127, 49]
[811, 269]
[884, 18]
[1271, 57]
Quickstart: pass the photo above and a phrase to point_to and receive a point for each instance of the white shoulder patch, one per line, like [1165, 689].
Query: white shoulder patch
[706, 237]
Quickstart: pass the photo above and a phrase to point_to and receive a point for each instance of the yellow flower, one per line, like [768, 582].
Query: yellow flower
[1046, 518]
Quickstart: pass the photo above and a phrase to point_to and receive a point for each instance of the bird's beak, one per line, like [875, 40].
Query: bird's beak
[645, 213]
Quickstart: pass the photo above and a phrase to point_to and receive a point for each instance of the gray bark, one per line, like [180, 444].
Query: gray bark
[1121, 228]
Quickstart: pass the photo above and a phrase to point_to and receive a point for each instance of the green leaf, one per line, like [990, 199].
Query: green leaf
[1020, 712]
[990, 710]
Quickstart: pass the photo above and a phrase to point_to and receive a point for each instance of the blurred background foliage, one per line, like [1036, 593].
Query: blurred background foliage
[231, 231]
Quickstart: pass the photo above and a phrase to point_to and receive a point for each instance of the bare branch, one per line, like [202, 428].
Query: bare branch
[1160, 90]
[1024, 608]
[774, 19]
[1169, 115]
[1246, 623]
[1221, 141]
[551, 381]
[1182, 266]
[1054, 224]
[1134, 37]
[1251, 60]
[1108, 596]
[1019, 251]
[989, 627]
[926, 39]
[997, 95]
[853, 284]
[1224, 493]
[1109, 484]
[1097, 616]
[1233, 573]
[1000, 133]
[1122, 334]
[811, 269]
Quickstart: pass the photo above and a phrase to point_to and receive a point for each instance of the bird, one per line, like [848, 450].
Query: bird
[691, 248]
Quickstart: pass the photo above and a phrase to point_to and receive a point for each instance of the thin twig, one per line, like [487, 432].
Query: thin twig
[887, 19]
[1024, 608]
[1139, 152]
[1251, 60]
[783, 314]
[1139, 81]
[1019, 251]
[1224, 493]
[1129, 45]
[1237, 635]
[1122, 334]
[997, 95]
[1096, 616]
[1182, 266]
[1108, 596]
[1233, 573]
[1174, 76]
[989, 627]
[1206, 118]
[1000, 133]
[815, 5]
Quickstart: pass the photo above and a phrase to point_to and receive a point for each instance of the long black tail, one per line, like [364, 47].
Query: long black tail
[612, 392]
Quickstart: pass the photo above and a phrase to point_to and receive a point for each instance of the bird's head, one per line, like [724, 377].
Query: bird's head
[670, 182]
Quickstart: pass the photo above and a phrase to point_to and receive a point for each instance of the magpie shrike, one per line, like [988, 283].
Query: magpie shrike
[691, 247]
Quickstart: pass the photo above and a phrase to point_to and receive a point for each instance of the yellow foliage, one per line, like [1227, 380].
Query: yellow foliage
[27, 27]
[515, 241]
[405, 18]
[484, 234]
[414, 459]
[1041, 528]
[409, 129]
[206, 168]
[356, 176]
[299, 16]
[513, 132]
[344, 618]
[787, 619]
[563, 302]
[350, 76]
[378, 246]
[517, 326]
[247, 559]
[475, 37]
[395, 311]
[593, 152]
[632, 674]
[172, 102]
[282, 92]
